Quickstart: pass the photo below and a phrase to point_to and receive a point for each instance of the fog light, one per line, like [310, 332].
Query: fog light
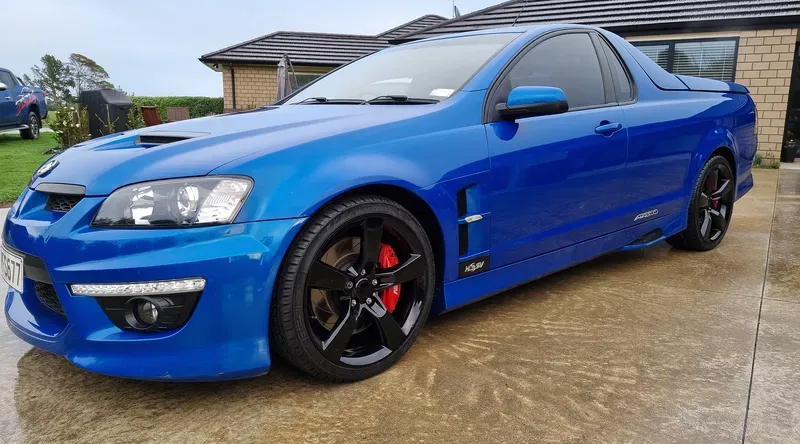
[146, 312]
[140, 288]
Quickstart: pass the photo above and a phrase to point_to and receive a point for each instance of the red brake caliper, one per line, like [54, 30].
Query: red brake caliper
[387, 259]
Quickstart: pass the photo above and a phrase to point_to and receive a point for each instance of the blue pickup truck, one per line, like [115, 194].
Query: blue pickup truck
[22, 107]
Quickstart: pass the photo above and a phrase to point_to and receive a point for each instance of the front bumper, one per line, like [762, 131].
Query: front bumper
[226, 336]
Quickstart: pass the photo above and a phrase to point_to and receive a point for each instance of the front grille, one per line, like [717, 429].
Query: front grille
[48, 297]
[62, 203]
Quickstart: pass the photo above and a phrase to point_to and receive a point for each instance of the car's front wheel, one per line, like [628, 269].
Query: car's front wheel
[32, 132]
[710, 209]
[355, 289]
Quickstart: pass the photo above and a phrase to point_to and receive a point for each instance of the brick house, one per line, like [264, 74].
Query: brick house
[754, 43]
[249, 69]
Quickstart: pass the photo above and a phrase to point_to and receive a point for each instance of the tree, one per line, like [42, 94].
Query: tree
[65, 81]
[54, 77]
[87, 74]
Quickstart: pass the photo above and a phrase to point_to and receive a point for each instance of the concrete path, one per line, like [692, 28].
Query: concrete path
[652, 346]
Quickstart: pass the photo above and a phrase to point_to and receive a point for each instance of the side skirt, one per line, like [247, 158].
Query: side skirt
[474, 288]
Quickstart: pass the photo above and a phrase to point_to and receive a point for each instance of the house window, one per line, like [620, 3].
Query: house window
[710, 58]
[305, 79]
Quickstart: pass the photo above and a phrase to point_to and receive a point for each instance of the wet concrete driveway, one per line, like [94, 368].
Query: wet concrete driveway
[650, 346]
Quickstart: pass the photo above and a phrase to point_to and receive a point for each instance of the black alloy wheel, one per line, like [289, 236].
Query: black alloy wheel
[341, 311]
[711, 208]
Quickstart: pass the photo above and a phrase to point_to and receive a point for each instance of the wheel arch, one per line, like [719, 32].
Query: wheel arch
[719, 141]
[727, 153]
[34, 108]
[415, 204]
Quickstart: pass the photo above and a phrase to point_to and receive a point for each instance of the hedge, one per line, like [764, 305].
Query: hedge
[198, 106]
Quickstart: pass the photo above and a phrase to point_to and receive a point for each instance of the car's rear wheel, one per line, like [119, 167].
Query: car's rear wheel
[355, 289]
[32, 132]
[710, 209]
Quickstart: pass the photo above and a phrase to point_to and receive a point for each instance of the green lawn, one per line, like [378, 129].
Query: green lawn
[19, 158]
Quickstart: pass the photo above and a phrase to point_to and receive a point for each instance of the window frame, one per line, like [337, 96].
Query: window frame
[631, 80]
[515, 34]
[13, 80]
[490, 115]
[671, 50]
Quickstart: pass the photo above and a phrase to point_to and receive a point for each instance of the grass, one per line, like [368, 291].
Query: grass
[19, 158]
[760, 162]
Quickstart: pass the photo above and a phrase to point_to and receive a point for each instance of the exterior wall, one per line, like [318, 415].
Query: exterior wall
[764, 65]
[256, 85]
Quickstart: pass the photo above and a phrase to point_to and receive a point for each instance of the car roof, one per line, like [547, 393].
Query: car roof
[533, 30]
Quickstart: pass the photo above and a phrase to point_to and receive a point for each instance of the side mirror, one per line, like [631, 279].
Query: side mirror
[530, 101]
[3, 86]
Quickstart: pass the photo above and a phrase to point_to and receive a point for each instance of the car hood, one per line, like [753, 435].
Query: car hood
[198, 146]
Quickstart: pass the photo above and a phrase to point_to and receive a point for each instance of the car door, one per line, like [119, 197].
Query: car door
[8, 107]
[556, 180]
[658, 154]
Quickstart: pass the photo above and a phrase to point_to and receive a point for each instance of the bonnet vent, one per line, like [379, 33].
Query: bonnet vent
[164, 137]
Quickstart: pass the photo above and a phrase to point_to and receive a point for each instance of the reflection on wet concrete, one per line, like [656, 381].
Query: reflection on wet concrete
[648, 346]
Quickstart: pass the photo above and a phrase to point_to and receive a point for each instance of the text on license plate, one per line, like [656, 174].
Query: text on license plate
[11, 266]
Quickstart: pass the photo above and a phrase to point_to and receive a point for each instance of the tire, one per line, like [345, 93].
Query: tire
[711, 208]
[34, 127]
[299, 331]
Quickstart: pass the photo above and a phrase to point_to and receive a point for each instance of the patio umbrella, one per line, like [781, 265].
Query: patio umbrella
[284, 81]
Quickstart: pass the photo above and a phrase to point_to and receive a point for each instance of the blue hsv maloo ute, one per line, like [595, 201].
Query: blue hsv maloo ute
[328, 227]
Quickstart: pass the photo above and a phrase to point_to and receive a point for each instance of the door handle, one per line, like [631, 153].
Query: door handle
[607, 128]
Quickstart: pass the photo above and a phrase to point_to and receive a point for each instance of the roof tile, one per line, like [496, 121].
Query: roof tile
[613, 14]
[307, 48]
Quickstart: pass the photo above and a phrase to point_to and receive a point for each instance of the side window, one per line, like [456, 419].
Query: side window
[567, 61]
[8, 79]
[622, 79]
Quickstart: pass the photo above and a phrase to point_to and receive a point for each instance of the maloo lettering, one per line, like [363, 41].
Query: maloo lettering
[646, 215]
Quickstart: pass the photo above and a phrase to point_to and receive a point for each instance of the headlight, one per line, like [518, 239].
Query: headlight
[175, 203]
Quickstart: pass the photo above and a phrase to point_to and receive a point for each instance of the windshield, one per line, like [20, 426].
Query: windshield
[428, 70]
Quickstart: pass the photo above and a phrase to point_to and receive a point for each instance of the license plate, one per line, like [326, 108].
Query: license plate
[11, 268]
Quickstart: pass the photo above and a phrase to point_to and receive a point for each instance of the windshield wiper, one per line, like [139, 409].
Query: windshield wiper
[327, 101]
[400, 100]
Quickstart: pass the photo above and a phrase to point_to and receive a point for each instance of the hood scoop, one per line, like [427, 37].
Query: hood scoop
[164, 137]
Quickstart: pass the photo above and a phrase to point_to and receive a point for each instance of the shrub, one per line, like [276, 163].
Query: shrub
[198, 106]
[70, 125]
[135, 119]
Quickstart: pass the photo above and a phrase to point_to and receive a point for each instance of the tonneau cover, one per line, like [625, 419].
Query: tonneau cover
[711, 85]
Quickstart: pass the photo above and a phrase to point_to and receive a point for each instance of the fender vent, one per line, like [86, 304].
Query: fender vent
[463, 239]
[461, 202]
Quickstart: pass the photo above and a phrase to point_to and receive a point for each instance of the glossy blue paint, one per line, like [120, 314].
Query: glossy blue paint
[552, 191]
[533, 95]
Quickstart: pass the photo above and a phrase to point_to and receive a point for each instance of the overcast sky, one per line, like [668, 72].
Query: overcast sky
[150, 47]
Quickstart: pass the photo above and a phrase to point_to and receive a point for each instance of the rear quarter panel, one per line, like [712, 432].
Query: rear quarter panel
[673, 132]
